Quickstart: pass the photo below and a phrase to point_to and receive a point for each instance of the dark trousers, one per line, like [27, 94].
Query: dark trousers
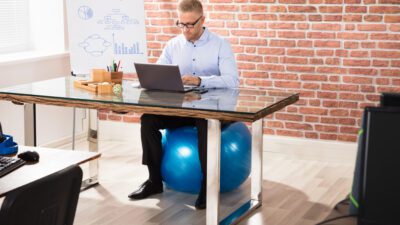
[151, 141]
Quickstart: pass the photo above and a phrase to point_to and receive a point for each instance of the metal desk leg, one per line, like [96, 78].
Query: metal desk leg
[93, 147]
[213, 171]
[30, 124]
[256, 177]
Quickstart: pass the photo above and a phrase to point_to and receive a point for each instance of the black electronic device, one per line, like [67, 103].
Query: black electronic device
[29, 156]
[9, 164]
[378, 176]
[390, 100]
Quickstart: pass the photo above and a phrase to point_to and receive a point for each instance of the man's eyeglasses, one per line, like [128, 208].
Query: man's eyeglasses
[188, 25]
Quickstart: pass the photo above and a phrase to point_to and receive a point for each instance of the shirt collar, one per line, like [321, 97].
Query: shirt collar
[203, 38]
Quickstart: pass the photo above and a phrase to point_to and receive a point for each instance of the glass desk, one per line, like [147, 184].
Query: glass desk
[248, 105]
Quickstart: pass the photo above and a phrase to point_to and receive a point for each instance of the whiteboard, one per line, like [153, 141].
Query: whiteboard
[101, 31]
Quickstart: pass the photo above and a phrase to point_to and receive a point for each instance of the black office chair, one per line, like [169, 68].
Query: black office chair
[51, 200]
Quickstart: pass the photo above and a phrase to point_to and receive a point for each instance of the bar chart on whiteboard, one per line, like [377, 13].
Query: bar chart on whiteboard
[103, 31]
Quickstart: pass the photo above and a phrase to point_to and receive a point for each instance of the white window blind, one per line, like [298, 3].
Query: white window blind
[14, 25]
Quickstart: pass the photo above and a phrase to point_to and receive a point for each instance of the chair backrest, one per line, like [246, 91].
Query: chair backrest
[51, 200]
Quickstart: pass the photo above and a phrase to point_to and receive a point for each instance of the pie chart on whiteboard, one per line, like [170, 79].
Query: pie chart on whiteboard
[85, 12]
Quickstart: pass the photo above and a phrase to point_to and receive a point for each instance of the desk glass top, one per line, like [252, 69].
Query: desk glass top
[241, 101]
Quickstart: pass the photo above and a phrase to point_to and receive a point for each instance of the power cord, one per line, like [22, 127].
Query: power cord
[335, 218]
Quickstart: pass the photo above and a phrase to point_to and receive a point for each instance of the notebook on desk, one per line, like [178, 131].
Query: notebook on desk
[161, 77]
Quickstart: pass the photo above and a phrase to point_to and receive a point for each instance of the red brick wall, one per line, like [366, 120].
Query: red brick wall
[339, 54]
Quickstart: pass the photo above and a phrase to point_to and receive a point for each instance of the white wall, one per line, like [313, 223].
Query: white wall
[53, 123]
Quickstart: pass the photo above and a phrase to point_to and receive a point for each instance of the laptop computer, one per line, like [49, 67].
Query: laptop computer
[161, 77]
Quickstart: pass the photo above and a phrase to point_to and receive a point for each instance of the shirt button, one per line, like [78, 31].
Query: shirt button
[194, 59]
[194, 45]
[194, 73]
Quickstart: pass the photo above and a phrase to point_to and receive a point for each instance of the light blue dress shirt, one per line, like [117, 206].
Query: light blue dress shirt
[211, 58]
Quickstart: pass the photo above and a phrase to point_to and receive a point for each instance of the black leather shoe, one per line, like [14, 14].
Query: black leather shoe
[145, 190]
[201, 199]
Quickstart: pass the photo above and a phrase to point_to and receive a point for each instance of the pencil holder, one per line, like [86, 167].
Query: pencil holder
[98, 75]
[8, 146]
[114, 77]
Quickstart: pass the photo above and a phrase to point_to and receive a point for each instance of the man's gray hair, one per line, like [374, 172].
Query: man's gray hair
[190, 6]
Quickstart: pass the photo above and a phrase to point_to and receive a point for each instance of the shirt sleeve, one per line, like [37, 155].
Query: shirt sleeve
[165, 57]
[228, 77]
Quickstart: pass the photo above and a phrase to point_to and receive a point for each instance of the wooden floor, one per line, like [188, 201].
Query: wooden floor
[295, 192]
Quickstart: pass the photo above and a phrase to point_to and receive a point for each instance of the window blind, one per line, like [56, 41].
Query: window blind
[14, 25]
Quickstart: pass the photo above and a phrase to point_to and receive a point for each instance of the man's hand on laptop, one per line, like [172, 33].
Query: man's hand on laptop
[191, 80]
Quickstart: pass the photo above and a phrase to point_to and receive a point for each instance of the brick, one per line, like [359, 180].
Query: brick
[225, 7]
[279, 25]
[330, 137]
[389, 1]
[368, 44]
[369, 2]
[258, 82]
[313, 86]
[270, 67]
[390, 72]
[389, 45]
[254, 74]
[291, 34]
[246, 66]
[359, 54]
[313, 77]
[330, 104]
[326, 44]
[330, 9]
[290, 60]
[250, 41]
[251, 50]
[102, 116]
[339, 112]
[292, 17]
[324, 52]
[351, 96]
[285, 76]
[289, 133]
[373, 18]
[131, 119]
[352, 1]
[394, 27]
[352, 36]
[349, 87]
[312, 135]
[222, 16]
[348, 105]
[292, 1]
[384, 36]
[357, 80]
[331, 87]
[249, 58]
[384, 9]
[290, 117]
[313, 111]
[327, 95]
[385, 54]
[298, 126]
[277, 8]
[114, 117]
[315, 61]
[271, 59]
[329, 120]
[314, 18]
[367, 88]
[304, 44]
[348, 138]
[264, 17]
[156, 22]
[371, 27]
[352, 18]
[391, 19]
[326, 128]
[350, 45]
[311, 119]
[300, 52]
[349, 27]
[326, 26]
[349, 130]
[395, 63]
[332, 70]
[282, 43]
[356, 9]
[320, 35]
[275, 124]
[332, 18]
[356, 62]
[254, 8]
[168, 6]
[362, 71]
[307, 69]
[271, 51]
[332, 61]
[382, 81]
[302, 9]
[333, 1]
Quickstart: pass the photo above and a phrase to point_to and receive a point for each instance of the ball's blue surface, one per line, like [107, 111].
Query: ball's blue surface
[181, 168]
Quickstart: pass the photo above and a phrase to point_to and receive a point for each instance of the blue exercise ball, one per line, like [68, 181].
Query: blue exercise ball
[180, 167]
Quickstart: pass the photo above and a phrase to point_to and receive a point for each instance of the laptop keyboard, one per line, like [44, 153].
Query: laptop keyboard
[9, 164]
